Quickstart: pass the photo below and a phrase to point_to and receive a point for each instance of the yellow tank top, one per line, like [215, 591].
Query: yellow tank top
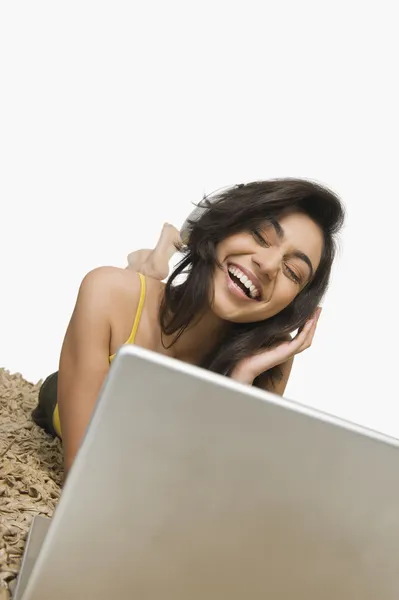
[130, 340]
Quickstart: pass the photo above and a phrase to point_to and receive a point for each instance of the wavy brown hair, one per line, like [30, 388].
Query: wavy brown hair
[244, 208]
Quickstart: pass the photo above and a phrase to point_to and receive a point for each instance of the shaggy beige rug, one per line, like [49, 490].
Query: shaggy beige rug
[30, 472]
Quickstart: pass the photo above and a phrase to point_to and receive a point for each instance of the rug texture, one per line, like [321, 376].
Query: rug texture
[30, 473]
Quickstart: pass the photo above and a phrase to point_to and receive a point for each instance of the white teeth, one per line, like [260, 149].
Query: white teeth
[253, 291]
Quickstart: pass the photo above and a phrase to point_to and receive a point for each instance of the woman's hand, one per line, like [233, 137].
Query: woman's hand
[247, 370]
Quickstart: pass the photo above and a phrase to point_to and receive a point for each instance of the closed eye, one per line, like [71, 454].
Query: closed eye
[259, 238]
[296, 278]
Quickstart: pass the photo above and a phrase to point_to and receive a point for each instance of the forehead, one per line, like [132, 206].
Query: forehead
[299, 232]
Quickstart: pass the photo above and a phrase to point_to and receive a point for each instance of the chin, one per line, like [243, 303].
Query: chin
[226, 312]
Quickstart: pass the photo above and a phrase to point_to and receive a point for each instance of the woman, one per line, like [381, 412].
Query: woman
[257, 262]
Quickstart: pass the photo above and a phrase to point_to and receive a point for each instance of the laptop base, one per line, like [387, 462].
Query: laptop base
[34, 542]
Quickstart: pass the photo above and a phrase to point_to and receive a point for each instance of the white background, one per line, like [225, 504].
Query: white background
[115, 116]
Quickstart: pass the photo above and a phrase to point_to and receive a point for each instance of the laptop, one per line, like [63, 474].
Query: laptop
[189, 485]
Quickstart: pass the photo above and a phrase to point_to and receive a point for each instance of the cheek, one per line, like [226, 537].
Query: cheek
[220, 254]
[284, 293]
[234, 246]
[223, 252]
[290, 292]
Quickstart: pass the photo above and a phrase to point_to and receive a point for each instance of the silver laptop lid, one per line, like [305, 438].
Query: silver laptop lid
[190, 486]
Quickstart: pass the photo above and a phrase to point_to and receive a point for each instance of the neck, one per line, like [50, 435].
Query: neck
[198, 339]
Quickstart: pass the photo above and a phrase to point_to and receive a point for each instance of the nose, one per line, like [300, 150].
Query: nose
[268, 262]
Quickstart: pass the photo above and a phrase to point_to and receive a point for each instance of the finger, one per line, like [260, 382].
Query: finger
[308, 341]
[306, 334]
[302, 335]
[316, 322]
[312, 330]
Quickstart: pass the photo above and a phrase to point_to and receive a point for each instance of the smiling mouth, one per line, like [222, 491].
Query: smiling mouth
[244, 283]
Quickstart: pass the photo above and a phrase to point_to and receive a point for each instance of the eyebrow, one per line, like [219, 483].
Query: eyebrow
[298, 254]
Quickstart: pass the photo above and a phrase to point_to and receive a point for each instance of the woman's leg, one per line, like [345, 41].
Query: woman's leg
[136, 259]
[155, 263]
[44, 411]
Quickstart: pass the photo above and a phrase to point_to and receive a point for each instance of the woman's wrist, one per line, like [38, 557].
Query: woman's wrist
[242, 375]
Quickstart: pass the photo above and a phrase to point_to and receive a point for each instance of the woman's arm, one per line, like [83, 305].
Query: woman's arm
[279, 386]
[253, 370]
[84, 361]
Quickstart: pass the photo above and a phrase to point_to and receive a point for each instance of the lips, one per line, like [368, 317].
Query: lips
[245, 280]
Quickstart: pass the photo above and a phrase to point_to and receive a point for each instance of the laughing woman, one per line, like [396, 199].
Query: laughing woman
[256, 262]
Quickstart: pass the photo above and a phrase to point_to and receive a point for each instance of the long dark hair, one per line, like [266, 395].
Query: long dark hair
[243, 208]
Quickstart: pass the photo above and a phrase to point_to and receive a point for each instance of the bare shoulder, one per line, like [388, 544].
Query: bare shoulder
[111, 280]
[115, 294]
[109, 286]
[106, 290]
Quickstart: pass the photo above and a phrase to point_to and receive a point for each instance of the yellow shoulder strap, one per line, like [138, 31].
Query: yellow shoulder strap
[137, 318]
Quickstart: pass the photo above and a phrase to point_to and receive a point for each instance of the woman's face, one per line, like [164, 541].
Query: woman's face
[272, 264]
